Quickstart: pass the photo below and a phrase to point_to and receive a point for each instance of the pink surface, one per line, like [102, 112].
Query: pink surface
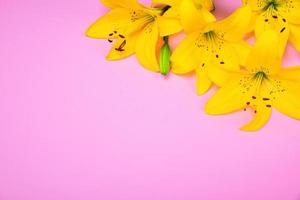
[73, 126]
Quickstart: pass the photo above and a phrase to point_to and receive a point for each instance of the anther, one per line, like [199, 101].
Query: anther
[253, 97]
[266, 99]
[268, 106]
[282, 29]
[275, 16]
[120, 48]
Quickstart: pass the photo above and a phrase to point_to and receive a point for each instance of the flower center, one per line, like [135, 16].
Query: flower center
[261, 75]
[259, 78]
[271, 4]
[210, 35]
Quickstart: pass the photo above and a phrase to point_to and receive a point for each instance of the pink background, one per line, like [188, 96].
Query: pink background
[74, 126]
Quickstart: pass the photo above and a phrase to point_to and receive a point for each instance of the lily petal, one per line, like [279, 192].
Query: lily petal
[202, 80]
[193, 18]
[293, 12]
[168, 26]
[288, 100]
[117, 21]
[120, 3]
[236, 25]
[295, 36]
[146, 46]
[226, 57]
[256, 5]
[227, 99]
[166, 2]
[242, 49]
[208, 4]
[218, 75]
[267, 21]
[186, 56]
[265, 54]
[122, 48]
[259, 120]
[291, 74]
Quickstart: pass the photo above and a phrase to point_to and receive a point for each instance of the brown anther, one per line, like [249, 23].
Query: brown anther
[282, 29]
[222, 63]
[275, 16]
[253, 97]
[120, 48]
[268, 106]
[266, 99]
[121, 36]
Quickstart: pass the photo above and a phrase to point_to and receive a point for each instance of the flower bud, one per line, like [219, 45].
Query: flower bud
[165, 54]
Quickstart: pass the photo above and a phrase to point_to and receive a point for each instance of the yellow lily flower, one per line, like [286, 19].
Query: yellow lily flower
[134, 28]
[280, 15]
[193, 14]
[261, 85]
[218, 46]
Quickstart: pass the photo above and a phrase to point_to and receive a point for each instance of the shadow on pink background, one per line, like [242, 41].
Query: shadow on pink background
[75, 127]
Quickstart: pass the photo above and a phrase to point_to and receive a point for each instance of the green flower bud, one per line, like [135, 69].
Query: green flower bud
[165, 54]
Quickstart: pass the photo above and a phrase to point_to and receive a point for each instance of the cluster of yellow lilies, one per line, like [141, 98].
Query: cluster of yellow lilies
[248, 76]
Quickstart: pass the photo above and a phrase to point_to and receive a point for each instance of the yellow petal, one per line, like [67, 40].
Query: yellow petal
[269, 21]
[168, 26]
[261, 117]
[172, 12]
[227, 99]
[186, 56]
[117, 21]
[218, 75]
[292, 11]
[265, 54]
[146, 47]
[287, 100]
[291, 73]
[236, 25]
[120, 3]
[203, 81]
[166, 2]
[122, 48]
[193, 18]
[242, 49]
[256, 5]
[295, 36]
[225, 56]
[208, 4]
